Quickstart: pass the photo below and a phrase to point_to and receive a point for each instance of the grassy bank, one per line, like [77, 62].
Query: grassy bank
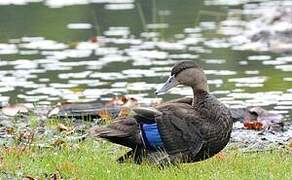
[96, 160]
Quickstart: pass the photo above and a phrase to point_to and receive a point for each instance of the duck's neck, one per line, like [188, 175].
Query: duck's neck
[197, 91]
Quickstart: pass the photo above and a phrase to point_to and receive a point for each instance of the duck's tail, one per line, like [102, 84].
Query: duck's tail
[125, 132]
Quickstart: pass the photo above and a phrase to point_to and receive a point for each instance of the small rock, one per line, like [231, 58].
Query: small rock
[6, 123]
[13, 110]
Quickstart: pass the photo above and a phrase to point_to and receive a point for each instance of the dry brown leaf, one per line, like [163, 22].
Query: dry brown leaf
[59, 142]
[220, 155]
[9, 130]
[124, 112]
[65, 129]
[290, 144]
[253, 125]
[26, 136]
[61, 127]
[29, 177]
[105, 116]
[55, 176]
[93, 39]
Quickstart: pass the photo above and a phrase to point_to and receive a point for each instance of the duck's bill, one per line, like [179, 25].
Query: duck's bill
[170, 83]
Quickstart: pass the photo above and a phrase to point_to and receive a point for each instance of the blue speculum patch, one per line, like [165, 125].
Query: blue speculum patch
[151, 136]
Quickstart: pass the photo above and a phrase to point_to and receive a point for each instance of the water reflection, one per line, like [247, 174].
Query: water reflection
[123, 59]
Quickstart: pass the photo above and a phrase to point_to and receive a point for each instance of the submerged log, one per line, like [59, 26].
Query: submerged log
[84, 111]
[118, 106]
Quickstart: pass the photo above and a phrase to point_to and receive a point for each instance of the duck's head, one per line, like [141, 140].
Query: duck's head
[185, 73]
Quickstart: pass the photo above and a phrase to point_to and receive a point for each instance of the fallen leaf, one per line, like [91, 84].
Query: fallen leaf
[61, 127]
[65, 129]
[9, 130]
[220, 155]
[28, 177]
[105, 116]
[55, 176]
[59, 142]
[124, 112]
[93, 39]
[256, 125]
[290, 144]
[25, 136]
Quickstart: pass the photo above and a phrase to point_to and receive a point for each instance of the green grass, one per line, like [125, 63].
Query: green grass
[96, 160]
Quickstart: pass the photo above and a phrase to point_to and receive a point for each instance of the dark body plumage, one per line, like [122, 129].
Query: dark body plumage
[191, 129]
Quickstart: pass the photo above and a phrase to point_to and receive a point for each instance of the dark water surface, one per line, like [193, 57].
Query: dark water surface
[48, 56]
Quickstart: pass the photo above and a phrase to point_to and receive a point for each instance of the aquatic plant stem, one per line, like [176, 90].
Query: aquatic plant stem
[142, 16]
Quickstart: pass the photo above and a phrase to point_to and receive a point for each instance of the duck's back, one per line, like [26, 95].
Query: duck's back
[197, 131]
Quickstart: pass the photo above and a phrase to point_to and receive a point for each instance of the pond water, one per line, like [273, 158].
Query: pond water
[84, 51]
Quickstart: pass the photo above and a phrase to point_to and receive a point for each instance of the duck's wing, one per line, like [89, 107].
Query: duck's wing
[146, 114]
[186, 100]
[122, 131]
[179, 126]
[178, 123]
[119, 128]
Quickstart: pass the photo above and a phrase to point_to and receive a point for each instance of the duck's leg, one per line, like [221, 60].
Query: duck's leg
[162, 159]
[126, 156]
[136, 154]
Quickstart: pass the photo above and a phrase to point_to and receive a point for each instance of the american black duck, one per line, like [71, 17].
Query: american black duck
[185, 130]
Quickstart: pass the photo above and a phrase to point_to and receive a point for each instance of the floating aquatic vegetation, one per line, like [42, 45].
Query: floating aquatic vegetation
[140, 86]
[117, 31]
[251, 80]
[154, 54]
[255, 72]
[273, 62]
[221, 72]
[216, 82]
[121, 6]
[42, 44]
[88, 82]
[215, 61]
[35, 98]
[263, 27]
[170, 46]
[120, 41]
[60, 4]
[150, 34]
[135, 73]
[83, 74]
[108, 76]
[217, 43]
[51, 91]
[18, 2]
[259, 58]
[107, 50]
[24, 64]
[157, 26]
[8, 49]
[226, 2]
[193, 39]
[183, 56]
[79, 26]
[284, 67]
